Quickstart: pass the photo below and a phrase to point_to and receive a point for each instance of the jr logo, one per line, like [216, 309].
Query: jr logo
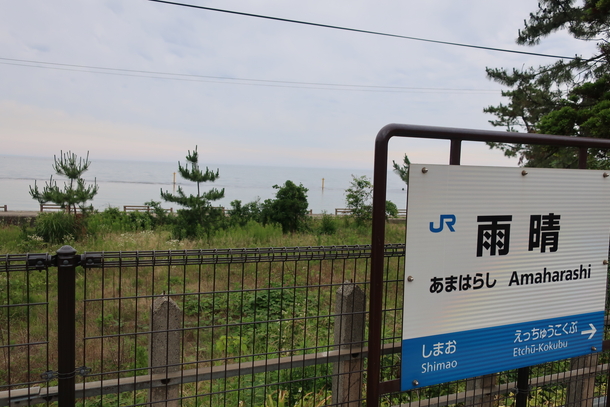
[448, 220]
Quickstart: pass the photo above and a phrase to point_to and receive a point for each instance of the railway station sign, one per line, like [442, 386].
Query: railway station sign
[505, 268]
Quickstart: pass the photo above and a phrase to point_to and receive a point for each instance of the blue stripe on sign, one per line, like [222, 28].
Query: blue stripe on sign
[447, 357]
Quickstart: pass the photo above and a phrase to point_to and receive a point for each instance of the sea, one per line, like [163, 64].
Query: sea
[136, 182]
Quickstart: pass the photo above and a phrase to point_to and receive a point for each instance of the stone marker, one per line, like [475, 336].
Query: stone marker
[164, 348]
[349, 335]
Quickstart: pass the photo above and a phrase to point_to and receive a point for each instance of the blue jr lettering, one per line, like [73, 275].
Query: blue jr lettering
[448, 220]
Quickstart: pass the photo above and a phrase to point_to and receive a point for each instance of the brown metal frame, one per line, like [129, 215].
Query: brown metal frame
[375, 388]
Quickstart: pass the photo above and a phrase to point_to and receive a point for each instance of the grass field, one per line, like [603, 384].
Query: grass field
[231, 313]
[138, 231]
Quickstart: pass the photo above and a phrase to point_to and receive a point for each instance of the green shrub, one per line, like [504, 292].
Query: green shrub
[391, 210]
[241, 215]
[194, 223]
[270, 304]
[328, 225]
[59, 227]
[115, 220]
[288, 209]
[110, 220]
[158, 216]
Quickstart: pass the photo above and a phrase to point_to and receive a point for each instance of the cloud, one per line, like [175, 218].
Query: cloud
[29, 130]
[146, 116]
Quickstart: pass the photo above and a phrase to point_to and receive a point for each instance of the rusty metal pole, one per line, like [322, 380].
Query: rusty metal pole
[376, 286]
[455, 152]
[582, 157]
[66, 325]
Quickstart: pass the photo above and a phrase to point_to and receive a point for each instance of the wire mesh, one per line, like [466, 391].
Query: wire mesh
[236, 327]
[27, 338]
[251, 327]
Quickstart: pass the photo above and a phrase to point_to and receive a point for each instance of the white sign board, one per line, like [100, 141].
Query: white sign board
[505, 268]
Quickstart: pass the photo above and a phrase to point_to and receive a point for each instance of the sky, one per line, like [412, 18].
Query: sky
[146, 81]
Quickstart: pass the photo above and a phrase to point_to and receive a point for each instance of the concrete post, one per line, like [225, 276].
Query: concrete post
[348, 335]
[581, 388]
[164, 348]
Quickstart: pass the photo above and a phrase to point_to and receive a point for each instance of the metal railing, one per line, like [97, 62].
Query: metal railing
[201, 327]
[234, 327]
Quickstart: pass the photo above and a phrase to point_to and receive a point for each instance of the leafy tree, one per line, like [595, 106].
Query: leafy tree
[359, 199]
[289, 208]
[402, 170]
[391, 210]
[568, 97]
[199, 217]
[75, 192]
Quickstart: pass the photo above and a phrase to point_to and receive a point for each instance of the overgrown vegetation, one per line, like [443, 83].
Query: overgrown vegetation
[198, 219]
[113, 229]
[283, 221]
[240, 310]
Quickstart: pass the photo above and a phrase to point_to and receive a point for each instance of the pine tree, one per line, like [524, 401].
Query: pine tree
[75, 192]
[402, 170]
[199, 217]
[570, 98]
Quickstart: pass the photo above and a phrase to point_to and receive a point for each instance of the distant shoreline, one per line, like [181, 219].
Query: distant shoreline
[19, 216]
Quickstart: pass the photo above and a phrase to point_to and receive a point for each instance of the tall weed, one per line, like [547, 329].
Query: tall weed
[249, 235]
[59, 227]
[328, 225]
[114, 230]
[10, 238]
